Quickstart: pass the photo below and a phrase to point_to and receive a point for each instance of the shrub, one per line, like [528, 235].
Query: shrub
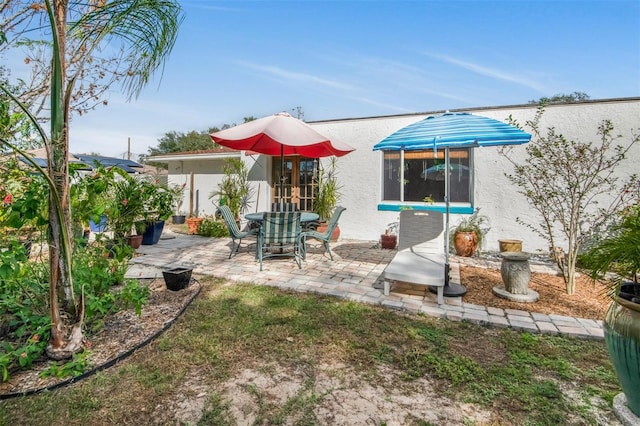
[212, 227]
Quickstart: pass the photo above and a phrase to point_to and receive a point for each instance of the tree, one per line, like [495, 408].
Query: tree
[184, 142]
[145, 31]
[572, 185]
[561, 98]
[93, 70]
[15, 125]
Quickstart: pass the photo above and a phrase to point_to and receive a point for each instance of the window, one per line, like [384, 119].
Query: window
[410, 176]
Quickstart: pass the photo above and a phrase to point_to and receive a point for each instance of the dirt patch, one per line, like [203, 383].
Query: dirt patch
[344, 397]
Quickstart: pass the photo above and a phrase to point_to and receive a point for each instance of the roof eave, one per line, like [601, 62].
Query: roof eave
[185, 157]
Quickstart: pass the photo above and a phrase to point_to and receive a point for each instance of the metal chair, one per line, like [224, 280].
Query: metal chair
[280, 236]
[234, 231]
[325, 236]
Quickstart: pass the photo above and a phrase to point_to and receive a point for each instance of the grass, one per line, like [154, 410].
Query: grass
[519, 377]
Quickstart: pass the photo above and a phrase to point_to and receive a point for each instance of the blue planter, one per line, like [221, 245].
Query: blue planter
[152, 233]
[98, 227]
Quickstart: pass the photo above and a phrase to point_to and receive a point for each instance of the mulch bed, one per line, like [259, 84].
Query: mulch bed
[589, 301]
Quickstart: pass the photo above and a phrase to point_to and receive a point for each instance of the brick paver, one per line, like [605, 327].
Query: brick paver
[355, 274]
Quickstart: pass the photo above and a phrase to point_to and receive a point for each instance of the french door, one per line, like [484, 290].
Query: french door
[298, 181]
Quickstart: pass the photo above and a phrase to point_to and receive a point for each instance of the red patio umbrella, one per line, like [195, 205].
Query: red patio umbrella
[280, 134]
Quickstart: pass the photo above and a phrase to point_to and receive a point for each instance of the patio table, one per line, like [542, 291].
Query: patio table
[306, 219]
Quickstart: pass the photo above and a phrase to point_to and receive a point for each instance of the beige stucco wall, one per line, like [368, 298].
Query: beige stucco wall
[207, 175]
[360, 171]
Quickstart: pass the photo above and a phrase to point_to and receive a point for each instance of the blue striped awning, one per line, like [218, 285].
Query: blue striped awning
[459, 129]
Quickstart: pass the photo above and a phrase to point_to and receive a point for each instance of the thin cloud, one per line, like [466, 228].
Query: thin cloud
[414, 79]
[489, 72]
[296, 76]
[380, 104]
[344, 89]
[393, 74]
[206, 5]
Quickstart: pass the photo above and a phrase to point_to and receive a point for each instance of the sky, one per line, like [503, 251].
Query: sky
[349, 59]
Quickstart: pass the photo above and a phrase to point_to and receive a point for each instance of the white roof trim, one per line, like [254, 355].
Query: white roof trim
[182, 157]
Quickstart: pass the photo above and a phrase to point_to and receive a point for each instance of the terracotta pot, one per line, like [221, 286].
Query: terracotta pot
[622, 337]
[388, 241]
[134, 241]
[465, 243]
[336, 232]
[510, 245]
[194, 223]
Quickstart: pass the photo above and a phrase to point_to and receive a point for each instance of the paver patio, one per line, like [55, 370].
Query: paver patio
[355, 274]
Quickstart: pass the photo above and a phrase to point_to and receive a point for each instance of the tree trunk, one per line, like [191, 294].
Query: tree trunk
[572, 258]
[65, 339]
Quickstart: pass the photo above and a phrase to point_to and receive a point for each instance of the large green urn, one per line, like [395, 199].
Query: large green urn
[622, 337]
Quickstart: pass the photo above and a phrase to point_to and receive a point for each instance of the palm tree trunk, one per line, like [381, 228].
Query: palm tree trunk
[61, 344]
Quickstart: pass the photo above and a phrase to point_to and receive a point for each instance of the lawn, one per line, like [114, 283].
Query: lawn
[246, 354]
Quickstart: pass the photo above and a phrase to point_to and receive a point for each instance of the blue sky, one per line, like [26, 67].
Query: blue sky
[343, 59]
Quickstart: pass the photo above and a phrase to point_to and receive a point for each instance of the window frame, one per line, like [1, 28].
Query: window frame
[454, 207]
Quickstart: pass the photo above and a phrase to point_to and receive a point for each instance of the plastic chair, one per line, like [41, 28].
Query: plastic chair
[280, 235]
[234, 231]
[325, 236]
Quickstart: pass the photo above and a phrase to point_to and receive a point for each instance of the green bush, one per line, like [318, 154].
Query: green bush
[25, 321]
[212, 227]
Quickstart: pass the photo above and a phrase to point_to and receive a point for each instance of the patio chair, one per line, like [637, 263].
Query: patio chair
[325, 236]
[234, 231]
[280, 236]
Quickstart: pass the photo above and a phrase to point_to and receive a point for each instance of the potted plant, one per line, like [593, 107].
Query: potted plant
[468, 235]
[616, 260]
[159, 201]
[326, 196]
[178, 195]
[234, 190]
[389, 240]
[127, 207]
[90, 197]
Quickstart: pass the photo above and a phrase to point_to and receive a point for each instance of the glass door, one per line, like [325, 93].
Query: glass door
[298, 183]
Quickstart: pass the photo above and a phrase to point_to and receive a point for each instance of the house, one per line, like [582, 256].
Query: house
[371, 186]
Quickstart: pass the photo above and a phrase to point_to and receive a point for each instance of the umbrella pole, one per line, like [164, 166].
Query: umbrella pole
[450, 289]
[281, 177]
[446, 208]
